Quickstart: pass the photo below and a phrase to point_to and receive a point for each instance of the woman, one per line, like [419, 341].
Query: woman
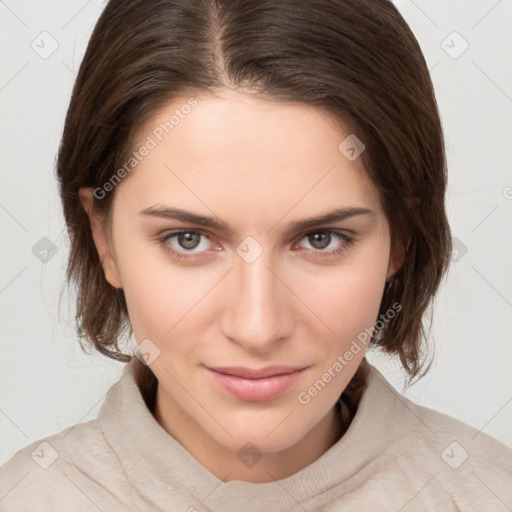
[255, 191]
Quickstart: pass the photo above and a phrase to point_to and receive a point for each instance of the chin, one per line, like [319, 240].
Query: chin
[268, 436]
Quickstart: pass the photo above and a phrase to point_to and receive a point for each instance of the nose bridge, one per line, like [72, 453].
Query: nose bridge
[257, 314]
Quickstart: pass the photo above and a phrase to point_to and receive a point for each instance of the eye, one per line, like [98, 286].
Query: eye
[185, 243]
[191, 244]
[323, 239]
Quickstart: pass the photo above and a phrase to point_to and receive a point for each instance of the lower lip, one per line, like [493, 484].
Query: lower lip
[256, 390]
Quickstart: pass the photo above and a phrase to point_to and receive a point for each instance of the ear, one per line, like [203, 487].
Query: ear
[396, 259]
[101, 239]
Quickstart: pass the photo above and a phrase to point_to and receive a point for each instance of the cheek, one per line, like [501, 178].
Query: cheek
[160, 296]
[161, 302]
[346, 299]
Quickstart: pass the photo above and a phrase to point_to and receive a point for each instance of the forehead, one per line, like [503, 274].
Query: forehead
[256, 155]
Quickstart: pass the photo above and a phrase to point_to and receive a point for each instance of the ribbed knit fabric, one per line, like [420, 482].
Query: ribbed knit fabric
[395, 456]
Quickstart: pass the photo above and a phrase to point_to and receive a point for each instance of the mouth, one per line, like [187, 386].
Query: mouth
[255, 385]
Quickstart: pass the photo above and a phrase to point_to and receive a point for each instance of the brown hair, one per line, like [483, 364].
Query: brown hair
[357, 59]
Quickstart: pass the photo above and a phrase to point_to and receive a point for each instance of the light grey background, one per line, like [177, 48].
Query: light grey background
[47, 383]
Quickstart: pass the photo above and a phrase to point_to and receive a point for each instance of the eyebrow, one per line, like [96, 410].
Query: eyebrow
[179, 214]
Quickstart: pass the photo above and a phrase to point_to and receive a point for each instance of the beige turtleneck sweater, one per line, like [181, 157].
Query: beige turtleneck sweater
[395, 456]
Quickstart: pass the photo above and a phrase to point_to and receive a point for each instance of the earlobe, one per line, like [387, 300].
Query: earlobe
[100, 236]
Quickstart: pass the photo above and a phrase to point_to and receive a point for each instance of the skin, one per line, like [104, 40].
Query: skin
[258, 165]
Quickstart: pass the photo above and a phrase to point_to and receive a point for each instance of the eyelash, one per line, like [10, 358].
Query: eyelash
[346, 242]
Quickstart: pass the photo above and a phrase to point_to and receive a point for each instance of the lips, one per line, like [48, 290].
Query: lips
[255, 385]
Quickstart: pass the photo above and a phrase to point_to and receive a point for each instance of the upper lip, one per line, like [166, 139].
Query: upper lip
[250, 373]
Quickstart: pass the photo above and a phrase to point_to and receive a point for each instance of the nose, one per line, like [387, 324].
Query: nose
[256, 312]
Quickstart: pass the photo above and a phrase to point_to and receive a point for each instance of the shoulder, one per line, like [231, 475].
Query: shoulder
[72, 470]
[473, 468]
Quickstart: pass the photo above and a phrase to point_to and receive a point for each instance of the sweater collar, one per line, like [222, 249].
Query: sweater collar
[158, 466]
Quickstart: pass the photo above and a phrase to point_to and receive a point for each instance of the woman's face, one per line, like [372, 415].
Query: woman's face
[244, 284]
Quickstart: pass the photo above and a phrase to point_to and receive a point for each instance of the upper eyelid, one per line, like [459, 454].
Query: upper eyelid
[302, 234]
[339, 231]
